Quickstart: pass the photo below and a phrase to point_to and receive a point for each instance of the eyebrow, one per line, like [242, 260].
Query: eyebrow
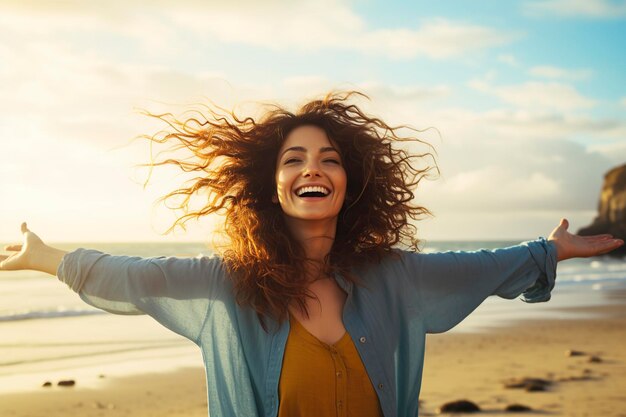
[303, 149]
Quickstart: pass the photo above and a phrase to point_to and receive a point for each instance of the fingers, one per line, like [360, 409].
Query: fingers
[597, 238]
[564, 223]
[608, 245]
[604, 239]
[13, 248]
[24, 228]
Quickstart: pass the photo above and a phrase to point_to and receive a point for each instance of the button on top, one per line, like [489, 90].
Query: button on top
[362, 339]
[339, 374]
[380, 386]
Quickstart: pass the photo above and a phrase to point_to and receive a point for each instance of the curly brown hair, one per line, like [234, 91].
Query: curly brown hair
[236, 159]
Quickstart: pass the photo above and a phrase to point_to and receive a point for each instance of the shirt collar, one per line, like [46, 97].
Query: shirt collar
[343, 283]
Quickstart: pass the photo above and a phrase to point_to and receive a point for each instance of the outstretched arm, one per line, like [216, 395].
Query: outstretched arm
[177, 292]
[33, 253]
[450, 285]
[573, 246]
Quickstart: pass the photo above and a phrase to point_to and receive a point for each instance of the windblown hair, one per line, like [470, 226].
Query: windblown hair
[236, 161]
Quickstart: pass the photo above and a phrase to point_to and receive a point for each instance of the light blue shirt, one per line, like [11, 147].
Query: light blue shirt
[388, 319]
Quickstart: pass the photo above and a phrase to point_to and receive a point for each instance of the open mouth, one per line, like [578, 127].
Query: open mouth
[314, 191]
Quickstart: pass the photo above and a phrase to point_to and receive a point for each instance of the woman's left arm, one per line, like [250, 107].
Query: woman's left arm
[573, 246]
[450, 285]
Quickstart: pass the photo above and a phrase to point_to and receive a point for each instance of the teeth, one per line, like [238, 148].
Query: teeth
[312, 189]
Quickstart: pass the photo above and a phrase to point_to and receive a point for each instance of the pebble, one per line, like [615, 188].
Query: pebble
[529, 384]
[66, 383]
[459, 406]
[534, 386]
[517, 408]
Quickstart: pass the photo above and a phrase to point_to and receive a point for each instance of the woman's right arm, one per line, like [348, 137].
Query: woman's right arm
[32, 254]
[177, 292]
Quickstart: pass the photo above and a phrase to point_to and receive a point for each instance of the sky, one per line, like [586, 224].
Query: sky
[523, 101]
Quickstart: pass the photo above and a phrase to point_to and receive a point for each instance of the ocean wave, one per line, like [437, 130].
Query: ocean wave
[59, 312]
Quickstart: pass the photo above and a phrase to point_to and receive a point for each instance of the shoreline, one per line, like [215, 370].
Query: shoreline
[580, 301]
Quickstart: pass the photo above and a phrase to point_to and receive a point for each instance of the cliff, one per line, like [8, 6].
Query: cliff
[611, 216]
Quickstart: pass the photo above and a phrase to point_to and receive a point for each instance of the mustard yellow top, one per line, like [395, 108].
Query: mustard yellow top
[318, 379]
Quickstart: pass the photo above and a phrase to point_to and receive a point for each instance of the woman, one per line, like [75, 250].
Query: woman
[309, 309]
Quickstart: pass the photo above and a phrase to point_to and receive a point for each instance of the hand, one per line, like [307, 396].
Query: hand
[23, 255]
[574, 246]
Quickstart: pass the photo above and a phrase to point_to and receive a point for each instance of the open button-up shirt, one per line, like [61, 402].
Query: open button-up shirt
[402, 300]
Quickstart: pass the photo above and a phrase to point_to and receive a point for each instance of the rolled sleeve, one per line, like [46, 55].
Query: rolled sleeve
[545, 256]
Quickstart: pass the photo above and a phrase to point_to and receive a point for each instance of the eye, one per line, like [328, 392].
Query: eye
[333, 161]
[291, 160]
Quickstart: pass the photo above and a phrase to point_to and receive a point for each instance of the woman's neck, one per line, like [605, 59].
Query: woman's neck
[316, 238]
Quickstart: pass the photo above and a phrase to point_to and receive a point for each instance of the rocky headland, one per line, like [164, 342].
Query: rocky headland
[611, 216]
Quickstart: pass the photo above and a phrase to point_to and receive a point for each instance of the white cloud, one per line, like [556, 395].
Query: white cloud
[49, 86]
[308, 85]
[504, 188]
[508, 59]
[615, 152]
[309, 26]
[514, 225]
[537, 95]
[300, 26]
[435, 39]
[407, 100]
[499, 174]
[561, 73]
[65, 120]
[584, 8]
[549, 124]
[416, 93]
[504, 161]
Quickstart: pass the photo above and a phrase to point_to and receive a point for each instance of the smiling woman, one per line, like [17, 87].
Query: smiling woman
[315, 203]
[250, 169]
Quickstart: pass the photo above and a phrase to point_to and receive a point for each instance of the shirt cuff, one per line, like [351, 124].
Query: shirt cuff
[75, 267]
[544, 254]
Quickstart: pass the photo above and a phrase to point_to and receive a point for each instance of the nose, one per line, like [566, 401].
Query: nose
[311, 170]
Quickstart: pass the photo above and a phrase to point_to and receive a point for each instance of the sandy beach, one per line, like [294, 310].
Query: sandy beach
[459, 365]
[474, 366]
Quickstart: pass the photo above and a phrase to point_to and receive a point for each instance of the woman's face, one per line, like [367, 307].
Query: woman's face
[310, 178]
